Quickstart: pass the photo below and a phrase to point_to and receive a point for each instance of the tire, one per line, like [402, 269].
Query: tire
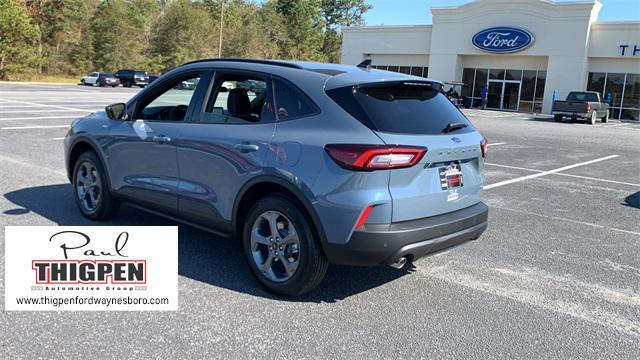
[605, 118]
[100, 84]
[88, 173]
[592, 119]
[304, 256]
[127, 84]
[82, 82]
[557, 118]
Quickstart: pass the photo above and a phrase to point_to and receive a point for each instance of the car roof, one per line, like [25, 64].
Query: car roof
[334, 75]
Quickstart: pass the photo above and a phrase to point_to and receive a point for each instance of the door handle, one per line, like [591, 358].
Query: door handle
[246, 147]
[161, 139]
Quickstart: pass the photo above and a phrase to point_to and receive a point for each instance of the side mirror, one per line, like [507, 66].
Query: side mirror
[116, 111]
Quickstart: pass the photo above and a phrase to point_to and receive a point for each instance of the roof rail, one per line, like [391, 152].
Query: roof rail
[255, 61]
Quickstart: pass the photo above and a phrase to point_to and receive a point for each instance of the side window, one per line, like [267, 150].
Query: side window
[291, 103]
[239, 98]
[172, 103]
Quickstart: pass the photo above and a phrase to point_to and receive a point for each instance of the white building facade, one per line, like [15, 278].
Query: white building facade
[485, 44]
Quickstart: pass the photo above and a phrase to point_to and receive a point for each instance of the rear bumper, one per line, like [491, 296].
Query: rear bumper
[384, 244]
[571, 114]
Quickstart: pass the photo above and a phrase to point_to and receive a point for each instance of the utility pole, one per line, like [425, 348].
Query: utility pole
[221, 28]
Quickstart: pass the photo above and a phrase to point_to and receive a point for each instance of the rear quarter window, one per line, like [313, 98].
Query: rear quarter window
[400, 107]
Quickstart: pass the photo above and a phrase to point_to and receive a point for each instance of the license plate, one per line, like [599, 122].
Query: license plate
[450, 177]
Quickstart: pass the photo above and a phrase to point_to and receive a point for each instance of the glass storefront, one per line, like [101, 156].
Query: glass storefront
[507, 89]
[620, 90]
[422, 71]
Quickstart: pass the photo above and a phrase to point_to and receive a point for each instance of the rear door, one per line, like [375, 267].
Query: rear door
[449, 176]
[225, 146]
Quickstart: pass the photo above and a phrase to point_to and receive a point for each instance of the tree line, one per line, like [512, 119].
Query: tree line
[72, 37]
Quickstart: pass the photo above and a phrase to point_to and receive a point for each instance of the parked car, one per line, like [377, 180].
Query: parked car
[100, 79]
[130, 78]
[153, 78]
[585, 105]
[364, 167]
[252, 85]
[189, 84]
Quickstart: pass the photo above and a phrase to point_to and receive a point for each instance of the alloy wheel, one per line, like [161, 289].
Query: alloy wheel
[275, 246]
[88, 186]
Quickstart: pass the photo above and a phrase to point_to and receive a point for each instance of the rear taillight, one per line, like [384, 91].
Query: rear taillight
[375, 157]
[588, 106]
[483, 147]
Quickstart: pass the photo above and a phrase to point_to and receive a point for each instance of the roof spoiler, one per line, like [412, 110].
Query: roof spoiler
[365, 64]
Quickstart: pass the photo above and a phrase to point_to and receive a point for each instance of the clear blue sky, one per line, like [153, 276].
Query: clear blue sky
[411, 12]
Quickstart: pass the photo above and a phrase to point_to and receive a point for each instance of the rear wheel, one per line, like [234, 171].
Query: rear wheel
[593, 118]
[90, 188]
[282, 251]
[605, 118]
[127, 84]
[557, 118]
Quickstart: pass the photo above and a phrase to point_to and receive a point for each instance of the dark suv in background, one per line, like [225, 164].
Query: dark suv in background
[133, 77]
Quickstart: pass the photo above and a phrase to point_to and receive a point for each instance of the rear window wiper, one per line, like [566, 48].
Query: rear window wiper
[453, 127]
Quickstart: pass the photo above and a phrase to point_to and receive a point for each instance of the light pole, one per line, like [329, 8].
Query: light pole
[221, 27]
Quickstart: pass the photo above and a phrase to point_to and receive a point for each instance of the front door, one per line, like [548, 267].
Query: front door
[503, 95]
[142, 154]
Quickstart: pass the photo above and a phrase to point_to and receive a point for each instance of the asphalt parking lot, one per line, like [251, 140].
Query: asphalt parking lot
[556, 274]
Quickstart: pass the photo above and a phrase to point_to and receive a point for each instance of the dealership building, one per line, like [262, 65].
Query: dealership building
[525, 52]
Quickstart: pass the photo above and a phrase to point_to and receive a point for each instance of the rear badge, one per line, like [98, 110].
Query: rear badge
[453, 196]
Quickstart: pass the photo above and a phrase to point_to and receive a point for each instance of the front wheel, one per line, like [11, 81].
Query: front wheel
[282, 251]
[557, 118]
[91, 190]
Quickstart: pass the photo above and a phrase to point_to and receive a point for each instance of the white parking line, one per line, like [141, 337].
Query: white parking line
[43, 111]
[36, 104]
[494, 144]
[533, 176]
[39, 118]
[613, 126]
[58, 138]
[563, 174]
[567, 220]
[34, 127]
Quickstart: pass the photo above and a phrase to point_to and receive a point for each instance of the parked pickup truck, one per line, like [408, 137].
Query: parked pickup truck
[585, 105]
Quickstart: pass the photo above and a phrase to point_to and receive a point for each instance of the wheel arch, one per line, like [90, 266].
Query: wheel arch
[77, 148]
[264, 185]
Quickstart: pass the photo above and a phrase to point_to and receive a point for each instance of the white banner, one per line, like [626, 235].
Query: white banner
[91, 268]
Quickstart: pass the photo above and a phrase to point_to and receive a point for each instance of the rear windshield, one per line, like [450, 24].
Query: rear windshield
[576, 96]
[400, 107]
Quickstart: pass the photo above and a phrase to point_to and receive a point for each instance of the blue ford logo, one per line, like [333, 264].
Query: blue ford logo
[502, 39]
[455, 139]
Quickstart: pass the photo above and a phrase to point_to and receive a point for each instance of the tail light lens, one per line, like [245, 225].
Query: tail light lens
[374, 157]
[588, 106]
[483, 147]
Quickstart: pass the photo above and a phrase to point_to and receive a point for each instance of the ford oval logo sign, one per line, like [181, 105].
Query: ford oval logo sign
[502, 39]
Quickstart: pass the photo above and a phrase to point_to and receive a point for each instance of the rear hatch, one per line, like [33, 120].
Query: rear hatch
[416, 113]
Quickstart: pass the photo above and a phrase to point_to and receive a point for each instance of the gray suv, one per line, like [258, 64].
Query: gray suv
[312, 164]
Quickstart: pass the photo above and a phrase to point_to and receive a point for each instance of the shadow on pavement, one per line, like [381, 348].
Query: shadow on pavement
[633, 200]
[202, 256]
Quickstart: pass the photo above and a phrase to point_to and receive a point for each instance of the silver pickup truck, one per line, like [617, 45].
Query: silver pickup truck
[585, 105]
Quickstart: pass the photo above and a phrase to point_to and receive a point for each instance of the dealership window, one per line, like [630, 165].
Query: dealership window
[532, 84]
[621, 91]
[410, 70]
